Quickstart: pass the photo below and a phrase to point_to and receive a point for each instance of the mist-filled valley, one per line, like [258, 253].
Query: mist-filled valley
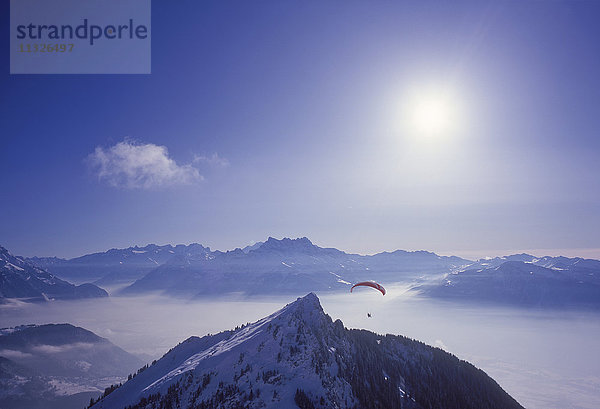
[543, 358]
[529, 322]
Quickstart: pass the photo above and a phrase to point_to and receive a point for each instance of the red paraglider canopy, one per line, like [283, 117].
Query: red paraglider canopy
[371, 284]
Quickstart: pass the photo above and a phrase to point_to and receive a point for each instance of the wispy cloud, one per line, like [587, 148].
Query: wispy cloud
[212, 160]
[55, 349]
[14, 354]
[134, 165]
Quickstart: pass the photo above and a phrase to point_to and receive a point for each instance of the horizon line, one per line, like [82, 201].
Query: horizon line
[473, 255]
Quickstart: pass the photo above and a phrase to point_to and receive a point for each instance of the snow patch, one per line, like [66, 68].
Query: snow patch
[11, 265]
[221, 347]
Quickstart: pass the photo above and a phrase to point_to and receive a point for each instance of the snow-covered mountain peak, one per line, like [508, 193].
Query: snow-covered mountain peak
[298, 357]
[309, 299]
[4, 253]
[305, 311]
[307, 305]
[261, 357]
[9, 260]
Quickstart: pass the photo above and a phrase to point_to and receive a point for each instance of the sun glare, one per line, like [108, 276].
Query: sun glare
[432, 114]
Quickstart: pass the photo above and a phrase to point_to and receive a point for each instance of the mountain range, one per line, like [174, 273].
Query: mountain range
[523, 280]
[116, 266]
[297, 266]
[299, 358]
[286, 265]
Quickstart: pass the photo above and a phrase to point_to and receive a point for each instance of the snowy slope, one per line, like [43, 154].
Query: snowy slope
[21, 279]
[299, 357]
[540, 282]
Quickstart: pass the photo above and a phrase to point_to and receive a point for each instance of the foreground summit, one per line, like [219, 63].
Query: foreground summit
[299, 357]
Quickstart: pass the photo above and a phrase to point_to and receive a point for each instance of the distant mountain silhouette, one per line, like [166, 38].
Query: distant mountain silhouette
[297, 266]
[523, 280]
[284, 266]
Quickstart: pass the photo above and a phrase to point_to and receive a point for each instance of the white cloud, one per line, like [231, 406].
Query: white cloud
[133, 165]
[212, 160]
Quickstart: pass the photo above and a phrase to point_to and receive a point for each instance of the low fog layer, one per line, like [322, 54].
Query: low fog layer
[544, 359]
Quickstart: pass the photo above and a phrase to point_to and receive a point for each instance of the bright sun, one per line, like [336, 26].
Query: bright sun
[433, 114]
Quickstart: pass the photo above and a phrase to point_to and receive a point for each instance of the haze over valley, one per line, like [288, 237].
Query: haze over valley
[182, 291]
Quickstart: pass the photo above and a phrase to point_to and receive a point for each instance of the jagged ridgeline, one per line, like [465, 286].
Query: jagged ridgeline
[299, 357]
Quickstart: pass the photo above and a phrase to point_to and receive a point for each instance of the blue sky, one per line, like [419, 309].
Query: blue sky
[290, 119]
